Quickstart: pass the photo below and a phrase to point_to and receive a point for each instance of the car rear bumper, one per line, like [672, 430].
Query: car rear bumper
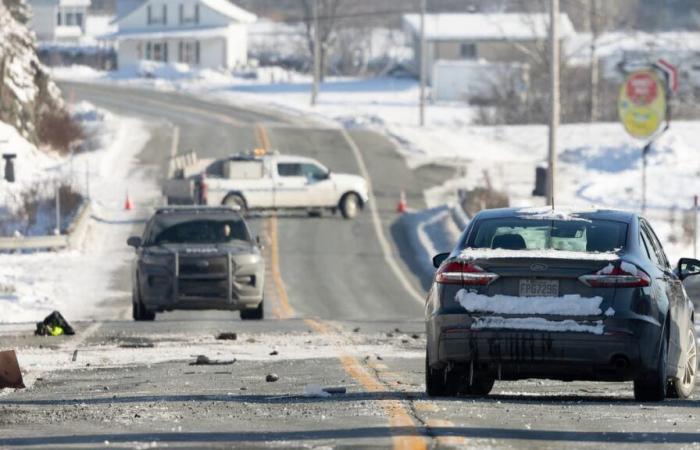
[622, 350]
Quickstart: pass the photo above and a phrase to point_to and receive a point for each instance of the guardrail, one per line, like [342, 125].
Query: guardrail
[73, 238]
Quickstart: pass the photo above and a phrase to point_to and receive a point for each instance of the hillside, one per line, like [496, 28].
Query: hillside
[26, 91]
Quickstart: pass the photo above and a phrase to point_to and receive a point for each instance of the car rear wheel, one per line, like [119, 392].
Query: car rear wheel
[436, 382]
[235, 201]
[350, 206]
[651, 386]
[481, 385]
[683, 387]
[254, 314]
[140, 313]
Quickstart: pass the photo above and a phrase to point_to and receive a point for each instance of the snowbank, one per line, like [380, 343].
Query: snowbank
[79, 282]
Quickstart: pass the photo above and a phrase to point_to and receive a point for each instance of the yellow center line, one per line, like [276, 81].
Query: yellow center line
[281, 308]
[398, 414]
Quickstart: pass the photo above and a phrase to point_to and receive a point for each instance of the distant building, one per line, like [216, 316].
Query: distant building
[59, 20]
[497, 37]
[200, 33]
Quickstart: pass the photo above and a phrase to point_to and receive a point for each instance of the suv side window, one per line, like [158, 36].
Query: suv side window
[289, 170]
[656, 245]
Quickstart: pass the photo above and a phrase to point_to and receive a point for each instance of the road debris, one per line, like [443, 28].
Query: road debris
[336, 390]
[75, 355]
[203, 360]
[274, 353]
[272, 377]
[227, 336]
[316, 391]
[10, 374]
[54, 325]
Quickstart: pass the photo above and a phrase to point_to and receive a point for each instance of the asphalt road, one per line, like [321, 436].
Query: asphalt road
[344, 310]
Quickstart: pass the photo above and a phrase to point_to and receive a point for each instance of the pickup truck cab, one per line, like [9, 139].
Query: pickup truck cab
[270, 181]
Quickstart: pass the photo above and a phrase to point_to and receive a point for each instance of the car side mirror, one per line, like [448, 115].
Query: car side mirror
[134, 241]
[688, 267]
[439, 259]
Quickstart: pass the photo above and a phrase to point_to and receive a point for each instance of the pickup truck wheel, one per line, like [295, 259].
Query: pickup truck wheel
[254, 314]
[350, 206]
[235, 201]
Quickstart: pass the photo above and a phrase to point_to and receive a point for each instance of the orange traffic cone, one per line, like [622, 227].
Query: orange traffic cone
[403, 204]
[128, 205]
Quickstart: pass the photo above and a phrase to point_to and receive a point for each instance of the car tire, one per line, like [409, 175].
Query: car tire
[683, 388]
[350, 206]
[236, 201]
[254, 314]
[651, 386]
[139, 311]
[440, 382]
[481, 386]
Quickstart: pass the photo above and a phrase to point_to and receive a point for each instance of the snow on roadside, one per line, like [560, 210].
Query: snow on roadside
[78, 282]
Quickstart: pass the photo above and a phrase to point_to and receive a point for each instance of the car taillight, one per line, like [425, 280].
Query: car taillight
[458, 272]
[624, 275]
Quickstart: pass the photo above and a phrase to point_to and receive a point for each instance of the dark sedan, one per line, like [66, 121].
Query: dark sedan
[567, 295]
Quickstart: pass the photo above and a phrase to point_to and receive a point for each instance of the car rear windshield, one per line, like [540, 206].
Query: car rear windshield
[199, 232]
[583, 235]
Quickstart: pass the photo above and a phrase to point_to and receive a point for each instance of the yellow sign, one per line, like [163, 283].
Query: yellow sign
[642, 104]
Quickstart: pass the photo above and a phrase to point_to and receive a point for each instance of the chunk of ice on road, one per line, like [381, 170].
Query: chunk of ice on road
[568, 305]
[314, 390]
[537, 324]
[485, 253]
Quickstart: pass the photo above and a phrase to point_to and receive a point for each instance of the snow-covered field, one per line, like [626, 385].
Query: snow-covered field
[78, 281]
[598, 163]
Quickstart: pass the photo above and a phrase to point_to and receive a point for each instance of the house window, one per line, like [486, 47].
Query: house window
[188, 52]
[70, 17]
[157, 51]
[467, 50]
[157, 14]
[189, 14]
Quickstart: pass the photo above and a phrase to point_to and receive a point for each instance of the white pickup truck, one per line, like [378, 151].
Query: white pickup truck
[269, 181]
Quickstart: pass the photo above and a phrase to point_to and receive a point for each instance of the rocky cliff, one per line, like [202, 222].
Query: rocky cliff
[27, 93]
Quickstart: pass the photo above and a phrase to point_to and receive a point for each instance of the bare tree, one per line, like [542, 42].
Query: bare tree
[327, 21]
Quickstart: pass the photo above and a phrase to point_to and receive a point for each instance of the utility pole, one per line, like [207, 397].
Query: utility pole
[555, 105]
[423, 62]
[594, 75]
[695, 227]
[317, 56]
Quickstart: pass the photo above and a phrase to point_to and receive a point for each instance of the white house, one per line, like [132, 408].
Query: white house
[200, 33]
[491, 37]
[59, 20]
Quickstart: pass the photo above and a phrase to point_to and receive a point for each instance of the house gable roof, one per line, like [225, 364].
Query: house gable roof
[223, 7]
[487, 27]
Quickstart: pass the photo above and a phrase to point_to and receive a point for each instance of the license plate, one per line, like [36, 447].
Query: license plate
[539, 288]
